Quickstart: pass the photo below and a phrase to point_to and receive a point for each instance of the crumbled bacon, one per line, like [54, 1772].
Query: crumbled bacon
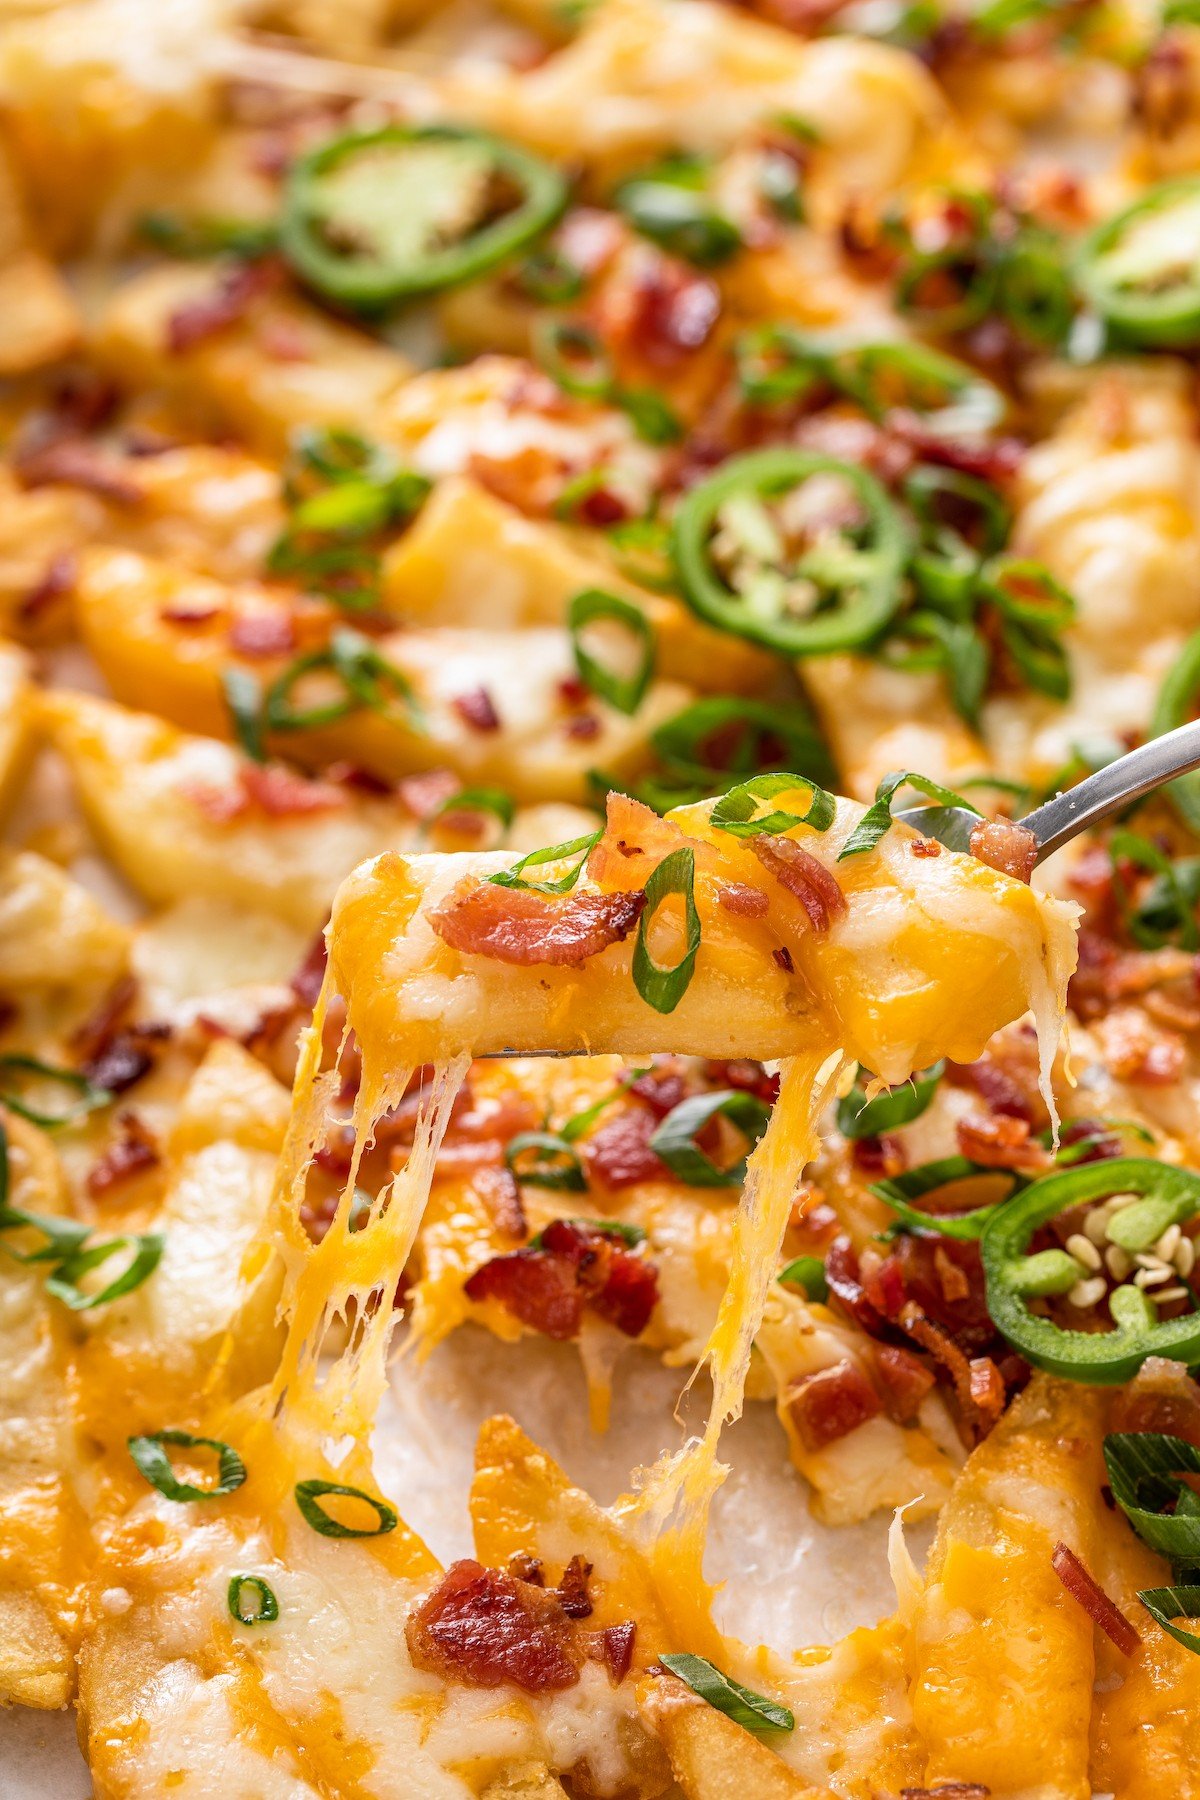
[831, 1403]
[851, 438]
[926, 847]
[664, 314]
[101, 1026]
[903, 1380]
[73, 462]
[842, 1272]
[477, 709]
[57, 580]
[601, 507]
[948, 1790]
[747, 1076]
[997, 1084]
[135, 1151]
[616, 1649]
[582, 726]
[223, 306]
[880, 1156]
[575, 1265]
[923, 1263]
[263, 634]
[191, 613]
[618, 1154]
[1005, 846]
[219, 805]
[796, 869]
[1137, 1051]
[572, 1590]
[1083, 1587]
[121, 1063]
[992, 459]
[424, 794]
[500, 1193]
[783, 956]
[1000, 1142]
[512, 925]
[484, 1628]
[1161, 1397]
[281, 793]
[980, 1397]
[744, 901]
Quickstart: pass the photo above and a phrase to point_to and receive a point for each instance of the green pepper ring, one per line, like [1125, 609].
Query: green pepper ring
[365, 281]
[770, 472]
[1101, 1359]
[1170, 318]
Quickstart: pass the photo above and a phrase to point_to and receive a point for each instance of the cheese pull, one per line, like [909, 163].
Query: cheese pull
[678, 935]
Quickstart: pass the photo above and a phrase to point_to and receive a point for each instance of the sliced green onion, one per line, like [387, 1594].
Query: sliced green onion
[63, 1282]
[572, 1129]
[902, 1190]
[549, 277]
[1165, 1605]
[1027, 593]
[652, 418]
[736, 812]
[741, 1704]
[625, 692]
[644, 547]
[659, 986]
[573, 356]
[669, 206]
[674, 1142]
[63, 1236]
[858, 1117]
[777, 362]
[205, 237]
[877, 820]
[807, 1272]
[1144, 1472]
[90, 1097]
[579, 847]
[265, 1605]
[501, 806]
[555, 1164]
[1168, 912]
[310, 1493]
[150, 1455]
[244, 699]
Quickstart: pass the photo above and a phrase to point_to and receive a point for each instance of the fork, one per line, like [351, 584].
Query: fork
[1098, 797]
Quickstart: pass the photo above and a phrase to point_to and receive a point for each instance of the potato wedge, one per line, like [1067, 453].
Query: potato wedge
[713, 1758]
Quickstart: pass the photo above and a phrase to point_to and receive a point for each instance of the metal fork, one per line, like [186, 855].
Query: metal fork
[1098, 797]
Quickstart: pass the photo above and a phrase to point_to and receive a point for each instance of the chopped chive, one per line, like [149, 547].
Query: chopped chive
[663, 987]
[625, 692]
[150, 1455]
[310, 1493]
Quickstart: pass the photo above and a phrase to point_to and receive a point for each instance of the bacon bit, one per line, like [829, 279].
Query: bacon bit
[59, 578]
[973, 1386]
[262, 634]
[602, 508]
[926, 847]
[618, 1155]
[744, 901]
[73, 462]
[995, 460]
[1083, 1587]
[1161, 1397]
[122, 1062]
[616, 1649]
[783, 957]
[662, 1087]
[477, 710]
[842, 1272]
[952, 1280]
[1000, 1142]
[831, 1403]
[532, 479]
[99, 1029]
[903, 1380]
[514, 926]
[583, 727]
[747, 1076]
[220, 805]
[883, 1284]
[879, 1157]
[851, 438]
[670, 311]
[573, 690]
[1163, 87]
[797, 870]
[967, 1319]
[813, 1224]
[281, 793]
[575, 1266]
[500, 1193]
[988, 1391]
[135, 1151]
[572, 1590]
[190, 613]
[996, 1084]
[224, 306]
[523, 1567]
[1005, 846]
[424, 794]
[1139, 1052]
[484, 1628]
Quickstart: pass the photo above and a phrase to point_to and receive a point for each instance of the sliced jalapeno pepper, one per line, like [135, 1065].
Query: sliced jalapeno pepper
[838, 589]
[373, 216]
[1168, 1196]
[1141, 268]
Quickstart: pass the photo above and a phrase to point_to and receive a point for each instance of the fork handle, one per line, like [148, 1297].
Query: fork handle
[1150, 766]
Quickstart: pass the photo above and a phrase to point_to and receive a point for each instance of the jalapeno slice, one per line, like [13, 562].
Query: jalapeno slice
[374, 216]
[836, 584]
[1161, 1196]
[1141, 268]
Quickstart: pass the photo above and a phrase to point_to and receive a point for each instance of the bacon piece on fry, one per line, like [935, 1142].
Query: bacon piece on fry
[514, 926]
